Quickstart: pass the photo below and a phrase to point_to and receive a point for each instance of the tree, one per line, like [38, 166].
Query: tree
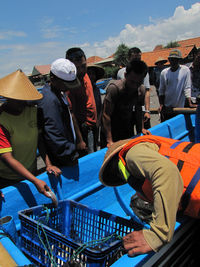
[172, 44]
[121, 55]
[111, 72]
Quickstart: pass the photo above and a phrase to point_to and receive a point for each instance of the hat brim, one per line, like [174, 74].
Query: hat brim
[173, 56]
[161, 61]
[17, 86]
[108, 157]
[99, 71]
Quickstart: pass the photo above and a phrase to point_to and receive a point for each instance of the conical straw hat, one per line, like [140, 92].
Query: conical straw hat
[160, 59]
[98, 69]
[17, 86]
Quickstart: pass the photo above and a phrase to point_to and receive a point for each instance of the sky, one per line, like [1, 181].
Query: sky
[40, 31]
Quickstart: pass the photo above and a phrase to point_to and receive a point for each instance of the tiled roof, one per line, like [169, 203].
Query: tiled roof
[43, 69]
[105, 60]
[94, 59]
[151, 57]
[189, 42]
[185, 47]
[158, 47]
[184, 43]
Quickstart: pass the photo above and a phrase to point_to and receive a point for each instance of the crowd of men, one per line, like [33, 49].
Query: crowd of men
[66, 120]
[72, 119]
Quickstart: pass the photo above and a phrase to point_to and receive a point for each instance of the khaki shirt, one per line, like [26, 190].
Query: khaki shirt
[143, 160]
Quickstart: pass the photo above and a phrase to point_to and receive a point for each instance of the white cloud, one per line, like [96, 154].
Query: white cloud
[182, 25]
[6, 35]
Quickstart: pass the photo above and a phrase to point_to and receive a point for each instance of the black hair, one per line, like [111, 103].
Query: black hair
[138, 66]
[133, 50]
[75, 54]
[197, 51]
[53, 76]
[111, 173]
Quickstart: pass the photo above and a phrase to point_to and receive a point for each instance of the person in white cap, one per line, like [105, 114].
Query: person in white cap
[19, 132]
[58, 130]
[175, 86]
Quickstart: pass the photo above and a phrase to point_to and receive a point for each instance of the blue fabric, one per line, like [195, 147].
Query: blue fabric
[193, 182]
[55, 120]
[176, 144]
[186, 196]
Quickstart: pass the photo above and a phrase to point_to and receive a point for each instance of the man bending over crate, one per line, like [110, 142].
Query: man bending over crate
[164, 172]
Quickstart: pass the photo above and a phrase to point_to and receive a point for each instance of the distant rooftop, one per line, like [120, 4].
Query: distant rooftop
[186, 47]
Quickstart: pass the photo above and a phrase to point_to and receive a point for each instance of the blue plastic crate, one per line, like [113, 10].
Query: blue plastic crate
[70, 226]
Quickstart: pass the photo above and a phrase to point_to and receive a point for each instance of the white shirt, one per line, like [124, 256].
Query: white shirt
[175, 86]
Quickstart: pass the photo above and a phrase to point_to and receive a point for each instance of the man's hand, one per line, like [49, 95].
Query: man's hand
[42, 187]
[81, 146]
[109, 143]
[160, 109]
[147, 116]
[53, 169]
[191, 105]
[146, 132]
[135, 243]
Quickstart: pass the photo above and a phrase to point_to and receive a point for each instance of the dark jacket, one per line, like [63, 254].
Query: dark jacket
[57, 132]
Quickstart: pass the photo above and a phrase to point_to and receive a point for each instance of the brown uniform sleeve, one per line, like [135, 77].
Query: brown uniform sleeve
[143, 160]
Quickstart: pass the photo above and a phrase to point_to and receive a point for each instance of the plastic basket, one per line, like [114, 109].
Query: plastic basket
[71, 225]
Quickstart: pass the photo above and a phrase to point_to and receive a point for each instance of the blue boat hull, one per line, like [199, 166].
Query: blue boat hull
[81, 183]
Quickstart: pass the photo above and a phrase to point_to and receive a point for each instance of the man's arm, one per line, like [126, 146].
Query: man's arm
[143, 160]
[106, 120]
[17, 167]
[187, 90]
[147, 115]
[161, 91]
[147, 98]
[161, 101]
[50, 168]
[112, 93]
[80, 144]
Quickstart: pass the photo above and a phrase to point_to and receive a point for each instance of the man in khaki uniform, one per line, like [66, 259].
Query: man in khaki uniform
[144, 161]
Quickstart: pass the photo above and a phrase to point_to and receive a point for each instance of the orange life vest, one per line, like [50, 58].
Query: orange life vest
[186, 156]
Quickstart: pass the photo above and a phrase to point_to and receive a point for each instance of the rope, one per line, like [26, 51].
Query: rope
[94, 242]
[79, 250]
[48, 250]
